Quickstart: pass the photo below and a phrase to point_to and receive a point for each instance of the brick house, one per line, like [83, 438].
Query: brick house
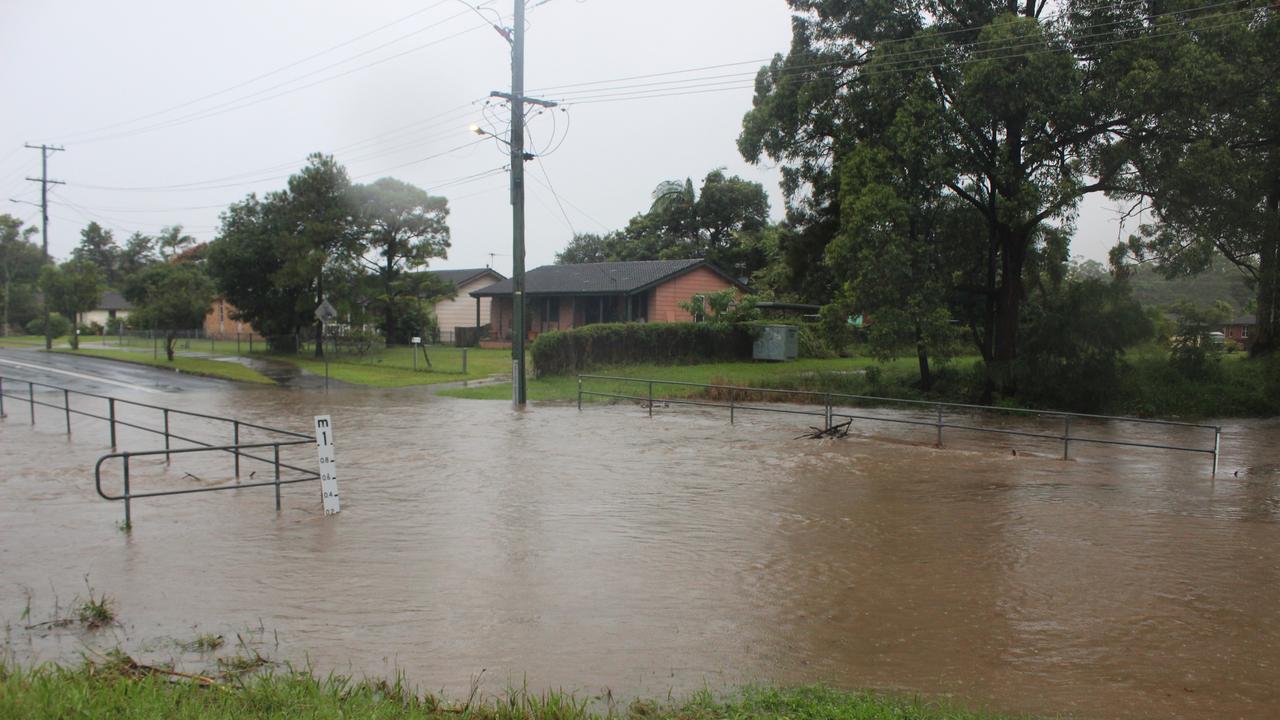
[560, 297]
[220, 323]
[1242, 330]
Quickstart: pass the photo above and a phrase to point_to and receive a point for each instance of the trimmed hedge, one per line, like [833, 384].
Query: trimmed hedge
[568, 351]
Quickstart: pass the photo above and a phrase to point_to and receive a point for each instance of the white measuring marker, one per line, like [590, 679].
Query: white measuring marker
[328, 465]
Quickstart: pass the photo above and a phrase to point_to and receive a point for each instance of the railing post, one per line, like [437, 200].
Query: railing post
[166, 436]
[579, 393]
[733, 394]
[650, 398]
[128, 515]
[66, 407]
[939, 424]
[1066, 438]
[1217, 446]
[31, 392]
[111, 418]
[235, 440]
[276, 448]
[464, 361]
[2, 398]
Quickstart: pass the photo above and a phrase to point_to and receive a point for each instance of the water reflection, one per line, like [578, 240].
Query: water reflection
[603, 548]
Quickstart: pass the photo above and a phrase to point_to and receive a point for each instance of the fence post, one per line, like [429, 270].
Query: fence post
[31, 392]
[650, 398]
[235, 440]
[166, 436]
[1217, 446]
[276, 448]
[111, 418]
[464, 361]
[1066, 438]
[733, 394]
[250, 343]
[579, 393]
[2, 398]
[128, 516]
[66, 407]
[826, 401]
[939, 424]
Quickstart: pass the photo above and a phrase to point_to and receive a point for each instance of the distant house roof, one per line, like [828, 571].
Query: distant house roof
[462, 277]
[605, 278]
[112, 300]
[1244, 320]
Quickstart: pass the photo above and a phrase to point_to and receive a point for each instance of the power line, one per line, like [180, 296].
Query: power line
[605, 94]
[246, 101]
[556, 195]
[899, 60]
[261, 76]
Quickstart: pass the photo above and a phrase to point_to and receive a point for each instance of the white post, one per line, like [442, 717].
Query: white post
[328, 465]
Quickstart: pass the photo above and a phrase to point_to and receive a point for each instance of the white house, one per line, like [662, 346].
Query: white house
[462, 310]
[110, 306]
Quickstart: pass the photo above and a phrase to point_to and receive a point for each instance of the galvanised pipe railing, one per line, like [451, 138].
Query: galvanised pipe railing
[236, 448]
[829, 413]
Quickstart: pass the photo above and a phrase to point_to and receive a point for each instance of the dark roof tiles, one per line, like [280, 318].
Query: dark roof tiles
[598, 278]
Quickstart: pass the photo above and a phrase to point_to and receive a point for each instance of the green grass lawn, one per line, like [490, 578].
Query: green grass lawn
[394, 367]
[121, 689]
[834, 375]
[220, 347]
[193, 366]
[29, 341]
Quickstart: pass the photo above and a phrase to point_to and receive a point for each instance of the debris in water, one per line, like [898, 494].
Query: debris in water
[835, 431]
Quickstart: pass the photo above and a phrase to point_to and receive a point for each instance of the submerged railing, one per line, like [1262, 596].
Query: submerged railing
[236, 448]
[834, 403]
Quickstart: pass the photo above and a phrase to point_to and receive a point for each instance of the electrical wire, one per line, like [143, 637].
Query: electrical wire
[246, 101]
[904, 59]
[887, 68]
[261, 76]
[556, 195]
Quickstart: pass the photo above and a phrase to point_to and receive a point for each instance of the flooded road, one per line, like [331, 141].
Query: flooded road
[604, 549]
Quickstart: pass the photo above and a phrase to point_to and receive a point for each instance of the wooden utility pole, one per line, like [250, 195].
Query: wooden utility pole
[45, 182]
[518, 157]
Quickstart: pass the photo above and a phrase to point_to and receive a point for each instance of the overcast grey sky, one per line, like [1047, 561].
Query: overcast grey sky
[170, 109]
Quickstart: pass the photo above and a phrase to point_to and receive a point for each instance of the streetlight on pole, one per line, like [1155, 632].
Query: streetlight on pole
[515, 35]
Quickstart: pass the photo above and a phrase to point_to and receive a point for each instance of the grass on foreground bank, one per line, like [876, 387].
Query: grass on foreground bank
[106, 691]
[190, 365]
[393, 367]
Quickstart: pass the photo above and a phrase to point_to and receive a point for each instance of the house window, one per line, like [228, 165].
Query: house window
[552, 311]
[1244, 331]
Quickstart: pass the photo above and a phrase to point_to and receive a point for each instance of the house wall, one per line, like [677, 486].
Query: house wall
[664, 300]
[461, 310]
[219, 324]
[99, 316]
[1242, 334]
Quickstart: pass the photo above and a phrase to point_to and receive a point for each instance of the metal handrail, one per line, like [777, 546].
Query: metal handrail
[238, 449]
[128, 496]
[829, 413]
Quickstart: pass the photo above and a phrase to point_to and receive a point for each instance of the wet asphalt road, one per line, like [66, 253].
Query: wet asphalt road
[96, 375]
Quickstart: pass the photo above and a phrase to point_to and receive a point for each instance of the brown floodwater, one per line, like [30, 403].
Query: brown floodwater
[603, 550]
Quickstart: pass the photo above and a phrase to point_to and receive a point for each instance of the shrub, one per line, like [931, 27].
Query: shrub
[567, 351]
[57, 323]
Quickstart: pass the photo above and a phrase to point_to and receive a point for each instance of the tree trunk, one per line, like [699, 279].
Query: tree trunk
[1009, 298]
[389, 311]
[1268, 338]
[319, 326]
[169, 339]
[4, 323]
[922, 357]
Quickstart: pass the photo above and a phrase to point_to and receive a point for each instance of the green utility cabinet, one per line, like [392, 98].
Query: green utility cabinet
[777, 342]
